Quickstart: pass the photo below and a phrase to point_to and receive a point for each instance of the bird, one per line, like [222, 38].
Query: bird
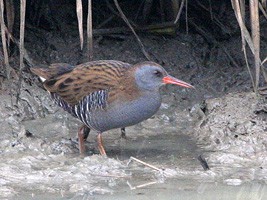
[106, 94]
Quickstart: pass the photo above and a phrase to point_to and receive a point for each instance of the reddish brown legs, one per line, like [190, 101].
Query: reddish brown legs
[100, 145]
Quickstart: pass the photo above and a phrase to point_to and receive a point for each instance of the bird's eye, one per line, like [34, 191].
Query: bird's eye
[158, 73]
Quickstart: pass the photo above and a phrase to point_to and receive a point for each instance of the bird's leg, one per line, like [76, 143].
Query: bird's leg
[123, 133]
[100, 145]
[86, 132]
[82, 136]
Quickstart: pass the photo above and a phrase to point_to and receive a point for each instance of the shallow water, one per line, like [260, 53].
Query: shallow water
[173, 189]
[188, 190]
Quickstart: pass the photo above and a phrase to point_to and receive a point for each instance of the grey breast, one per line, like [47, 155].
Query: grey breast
[123, 114]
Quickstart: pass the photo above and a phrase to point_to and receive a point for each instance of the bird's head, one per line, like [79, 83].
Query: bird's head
[151, 76]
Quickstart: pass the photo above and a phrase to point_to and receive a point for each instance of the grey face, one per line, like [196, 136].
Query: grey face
[149, 77]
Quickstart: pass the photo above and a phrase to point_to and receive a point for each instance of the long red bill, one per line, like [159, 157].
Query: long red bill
[171, 80]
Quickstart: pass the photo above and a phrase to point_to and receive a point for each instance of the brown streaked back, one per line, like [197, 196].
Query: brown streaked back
[77, 82]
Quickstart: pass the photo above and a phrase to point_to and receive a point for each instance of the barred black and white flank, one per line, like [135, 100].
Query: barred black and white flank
[83, 110]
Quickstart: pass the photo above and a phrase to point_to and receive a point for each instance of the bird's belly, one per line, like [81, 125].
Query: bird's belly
[123, 114]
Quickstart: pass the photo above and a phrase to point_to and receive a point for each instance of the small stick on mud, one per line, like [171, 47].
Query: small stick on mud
[146, 164]
[203, 162]
[142, 185]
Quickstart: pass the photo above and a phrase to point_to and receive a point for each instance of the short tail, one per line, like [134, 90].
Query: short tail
[52, 71]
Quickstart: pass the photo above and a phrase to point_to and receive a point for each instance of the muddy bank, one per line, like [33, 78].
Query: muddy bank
[234, 129]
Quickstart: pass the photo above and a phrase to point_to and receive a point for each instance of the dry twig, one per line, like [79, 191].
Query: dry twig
[6, 59]
[21, 33]
[141, 186]
[144, 163]
[255, 33]
[262, 10]
[90, 31]
[79, 10]
[179, 12]
[244, 34]
[21, 43]
[148, 165]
